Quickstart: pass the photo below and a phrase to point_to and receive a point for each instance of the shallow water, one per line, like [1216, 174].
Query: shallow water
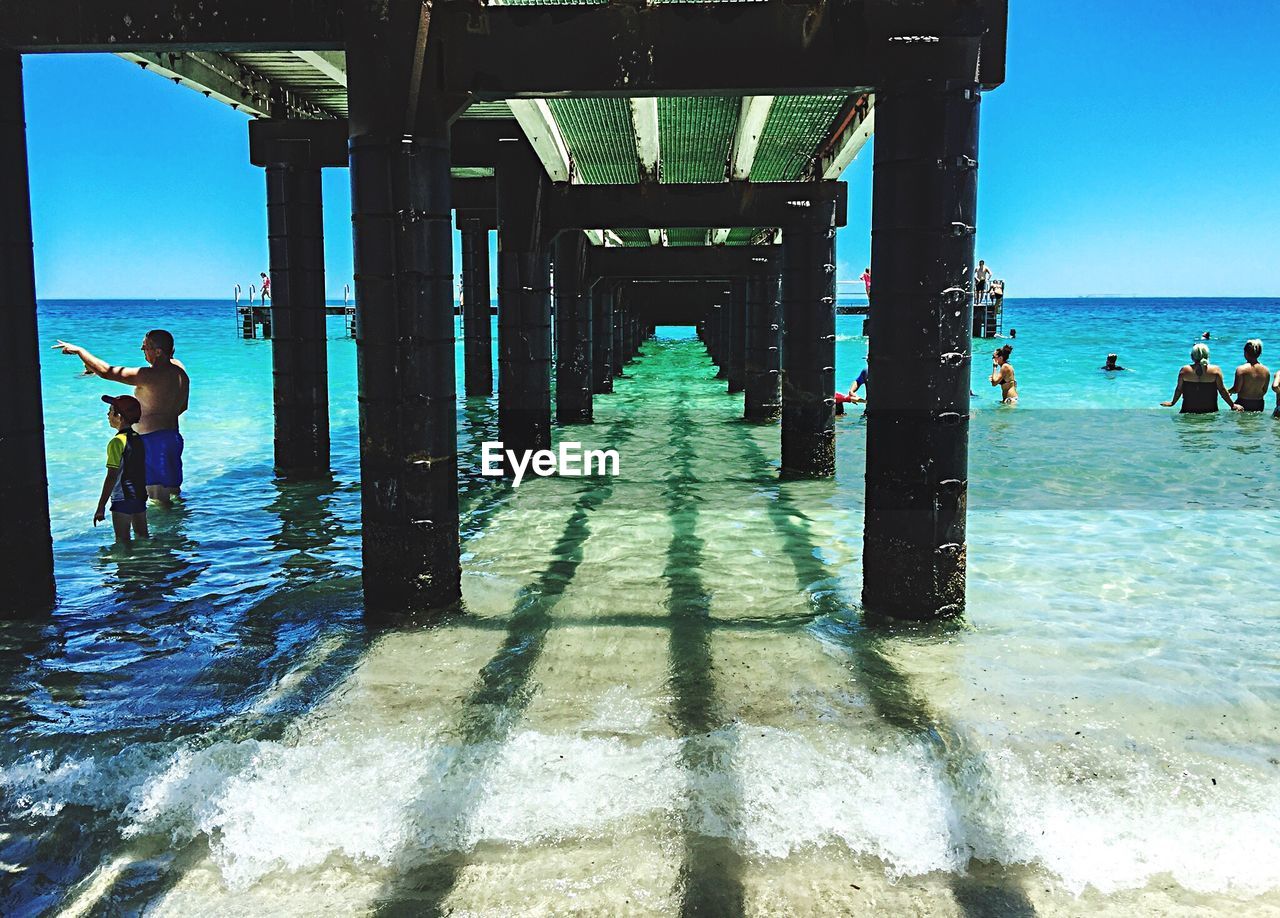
[659, 696]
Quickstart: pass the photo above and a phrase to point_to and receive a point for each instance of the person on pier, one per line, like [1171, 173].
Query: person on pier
[1002, 375]
[1199, 385]
[163, 389]
[981, 276]
[266, 287]
[1252, 379]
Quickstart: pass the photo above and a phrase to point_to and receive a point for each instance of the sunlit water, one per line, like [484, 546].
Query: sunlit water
[659, 696]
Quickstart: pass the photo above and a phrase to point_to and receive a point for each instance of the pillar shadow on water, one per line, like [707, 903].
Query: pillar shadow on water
[711, 872]
[496, 704]
[889, 689]
[308, 527]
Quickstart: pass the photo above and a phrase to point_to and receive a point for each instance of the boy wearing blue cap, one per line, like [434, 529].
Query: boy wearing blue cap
[126, 482]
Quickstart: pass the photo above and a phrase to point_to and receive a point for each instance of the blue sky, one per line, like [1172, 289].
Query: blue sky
[1132, 151]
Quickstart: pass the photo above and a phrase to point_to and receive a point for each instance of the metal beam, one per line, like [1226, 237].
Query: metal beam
[746, 139]
[215, 76]
[644, 122]
[694, 205]
[848, 140]
[300, 142]
[544, 135]
[166, 25]
[332, 64]
[766, 47]
[770, 46]
[540, 127]
[680, 262]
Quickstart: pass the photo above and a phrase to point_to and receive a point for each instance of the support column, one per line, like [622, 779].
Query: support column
[737, 336]
[602, 337]
[619, 322]
[763, 374]
[809, 351]
[524, 303]
[299, 353]
[404, 315]
[477, 313]
[573, 330]
[723, 331]
[26, 546]
[923, 217]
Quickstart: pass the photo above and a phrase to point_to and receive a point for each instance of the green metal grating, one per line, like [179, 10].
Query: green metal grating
[600, 138]
[632, 237]
[487, 110]
[796, 126]
[685, 236]
[740, 235]
[695, 135]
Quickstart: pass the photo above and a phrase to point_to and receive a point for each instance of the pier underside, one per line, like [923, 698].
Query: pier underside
[679, 160]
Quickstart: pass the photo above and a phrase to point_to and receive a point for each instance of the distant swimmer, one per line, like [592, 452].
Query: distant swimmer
[1206, 337]
[1111, 365]
[266, 287]
[1199, 385]
[162, 389]
[1252, 379]
[1002, 375]
[1013, 333]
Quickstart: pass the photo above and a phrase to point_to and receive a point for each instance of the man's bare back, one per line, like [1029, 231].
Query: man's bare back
[163, 389]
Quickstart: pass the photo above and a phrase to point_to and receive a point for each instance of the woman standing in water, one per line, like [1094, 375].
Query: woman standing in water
[1002, 375]
[1199, 385]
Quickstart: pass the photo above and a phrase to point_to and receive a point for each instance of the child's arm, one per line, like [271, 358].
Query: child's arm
[108, 485]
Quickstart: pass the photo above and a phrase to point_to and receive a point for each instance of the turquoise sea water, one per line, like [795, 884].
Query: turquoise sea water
[659, 695]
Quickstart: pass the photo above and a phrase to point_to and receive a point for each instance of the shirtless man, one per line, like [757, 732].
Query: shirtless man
[162, 388]
[1252, 379]
[980, 278]
[1002, 375]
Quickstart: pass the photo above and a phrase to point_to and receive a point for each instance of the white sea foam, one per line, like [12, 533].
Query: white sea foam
[397, 802]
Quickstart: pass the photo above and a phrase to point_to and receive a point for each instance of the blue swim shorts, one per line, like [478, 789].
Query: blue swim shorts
[129, 506]
[164, 458]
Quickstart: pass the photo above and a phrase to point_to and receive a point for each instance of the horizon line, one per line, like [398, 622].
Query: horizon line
[1057, 296]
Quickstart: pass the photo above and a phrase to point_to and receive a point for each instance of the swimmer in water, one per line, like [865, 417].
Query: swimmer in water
[1002, 375]
[1111, 364]
[1252, 379]
[1199, 385]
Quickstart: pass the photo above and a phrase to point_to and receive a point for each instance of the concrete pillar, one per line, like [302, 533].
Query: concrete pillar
[737, 336]
[299, 353]
[404, 320]
[524, 304]
[26, 546]
[477, 314]
[762, 400]
[602, 337]
[809, 351]
[573, 330]
[923, 218]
